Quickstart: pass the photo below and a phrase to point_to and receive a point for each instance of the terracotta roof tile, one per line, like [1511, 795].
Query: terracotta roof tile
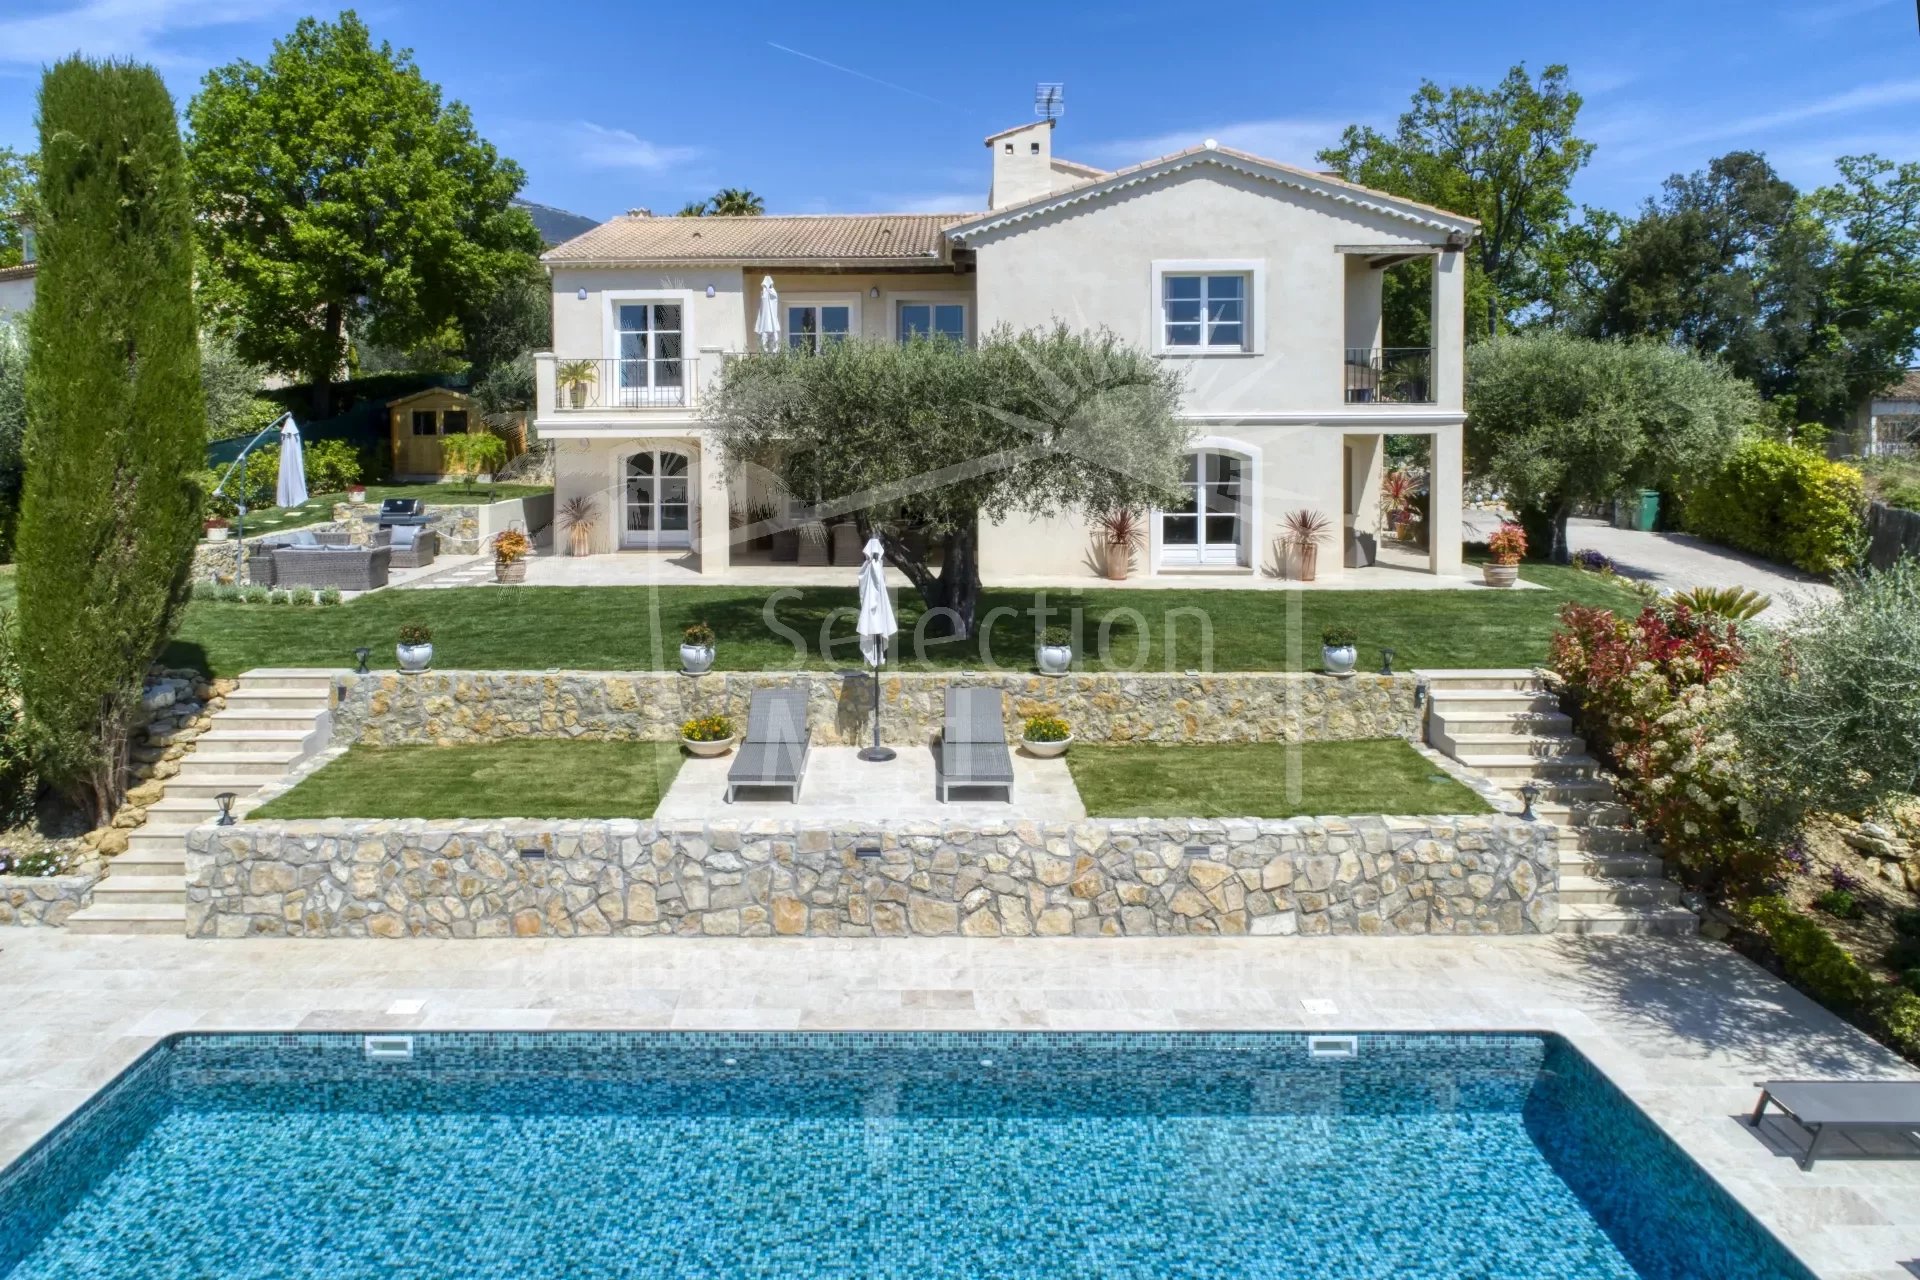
[1908, 388]
[801, 238]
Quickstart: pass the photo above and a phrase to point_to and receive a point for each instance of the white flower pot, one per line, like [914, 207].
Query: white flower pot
[1339, 662]
[218, 534]
[696, 659]
[414, 657]
[1053, 659]
[1045, 750]
[706, 750]
[1500, 575]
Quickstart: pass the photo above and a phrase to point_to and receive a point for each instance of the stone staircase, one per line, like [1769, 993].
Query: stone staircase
[1505, 725]
[274, 718]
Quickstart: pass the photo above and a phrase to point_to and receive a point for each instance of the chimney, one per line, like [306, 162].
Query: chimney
[639, 213]
[1022, 163]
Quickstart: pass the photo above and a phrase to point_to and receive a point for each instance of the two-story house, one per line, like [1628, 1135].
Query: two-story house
[1262, 279]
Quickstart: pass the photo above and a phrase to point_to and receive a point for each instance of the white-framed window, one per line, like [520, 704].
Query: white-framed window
[935, 319]
[813, 323]
[1208, 525]
[649, 343]
[1209, 307]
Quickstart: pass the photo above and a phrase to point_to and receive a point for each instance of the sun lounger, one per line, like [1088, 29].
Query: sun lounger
[973, 743]
[1835, 1108]
[774, 752]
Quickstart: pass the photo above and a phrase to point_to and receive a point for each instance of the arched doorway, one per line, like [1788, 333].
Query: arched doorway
[659, 499]
[1209, 525]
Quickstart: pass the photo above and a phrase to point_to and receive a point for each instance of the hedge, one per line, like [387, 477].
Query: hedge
[1783, 502]
[1831, 975]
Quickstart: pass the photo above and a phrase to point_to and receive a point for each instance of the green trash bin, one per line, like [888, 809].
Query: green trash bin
[1647, 517]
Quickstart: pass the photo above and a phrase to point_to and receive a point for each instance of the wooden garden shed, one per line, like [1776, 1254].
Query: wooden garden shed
[416, 423]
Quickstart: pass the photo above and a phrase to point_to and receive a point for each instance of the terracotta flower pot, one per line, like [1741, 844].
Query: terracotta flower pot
[1500, 575]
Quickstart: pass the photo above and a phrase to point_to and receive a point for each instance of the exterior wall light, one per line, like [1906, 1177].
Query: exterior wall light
[709, 291]
[582, 294]
[361, 655]
[874, 292]
[225, 800]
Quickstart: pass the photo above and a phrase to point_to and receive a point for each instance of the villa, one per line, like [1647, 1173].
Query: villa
[1263, 280]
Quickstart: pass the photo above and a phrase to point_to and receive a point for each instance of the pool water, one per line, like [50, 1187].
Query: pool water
[520, 1156]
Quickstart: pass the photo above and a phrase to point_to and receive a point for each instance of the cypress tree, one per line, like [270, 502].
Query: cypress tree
[116, 420]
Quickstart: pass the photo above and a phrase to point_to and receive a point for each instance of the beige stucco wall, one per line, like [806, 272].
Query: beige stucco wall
[1092, 264]
[874, 316]
[16, 295]
[582, 328]
[596, 468]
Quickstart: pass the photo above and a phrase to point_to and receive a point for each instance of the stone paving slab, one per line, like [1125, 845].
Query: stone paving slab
[1683, 1026]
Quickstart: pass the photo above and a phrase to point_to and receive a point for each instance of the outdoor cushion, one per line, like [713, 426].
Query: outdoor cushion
[404, 535]
[302, 538]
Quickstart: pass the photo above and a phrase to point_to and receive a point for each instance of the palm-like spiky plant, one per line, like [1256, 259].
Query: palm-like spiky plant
[736, 202]
[1735, 604]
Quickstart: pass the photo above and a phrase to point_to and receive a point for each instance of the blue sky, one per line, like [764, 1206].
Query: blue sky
[870, 106]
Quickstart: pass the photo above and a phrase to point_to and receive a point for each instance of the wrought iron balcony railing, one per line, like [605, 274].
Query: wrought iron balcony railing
[1390, 375]
[660, 382]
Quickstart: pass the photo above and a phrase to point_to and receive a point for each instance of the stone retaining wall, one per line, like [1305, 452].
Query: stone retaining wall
[44, 900]
[1110, 878]
[453, 707]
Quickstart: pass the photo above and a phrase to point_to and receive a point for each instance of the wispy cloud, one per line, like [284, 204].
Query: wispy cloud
[859, 75]
[1290, 139]
[929, 202]
[121, 28]
[599, 147]
[1747, 129]
[1835, 11]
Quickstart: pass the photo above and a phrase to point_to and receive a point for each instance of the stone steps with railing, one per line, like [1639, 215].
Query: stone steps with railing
[275, 718]
[1506, 725]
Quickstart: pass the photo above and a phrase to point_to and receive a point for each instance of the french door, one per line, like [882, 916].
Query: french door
[651, 368]
[659, 500]
[1206, 527]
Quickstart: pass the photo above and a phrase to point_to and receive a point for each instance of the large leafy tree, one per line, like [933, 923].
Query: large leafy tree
[16, 204]
[340, 197]
[1504, 155]
[115, 419]
[932, 435]
[1812, 297]
[1554, 420]
[1866, 316]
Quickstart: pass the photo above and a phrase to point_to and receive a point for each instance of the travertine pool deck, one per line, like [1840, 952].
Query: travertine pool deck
[1683, 1026]
[839, 787]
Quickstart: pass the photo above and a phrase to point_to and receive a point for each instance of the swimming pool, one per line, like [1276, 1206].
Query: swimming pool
[522, 1155]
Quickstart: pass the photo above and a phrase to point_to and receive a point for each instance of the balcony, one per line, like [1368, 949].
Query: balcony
[1390, 375]
[566, 385]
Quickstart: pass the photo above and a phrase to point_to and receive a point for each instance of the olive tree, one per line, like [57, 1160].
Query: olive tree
[1827, 712]
[1555, 420]
[932, 435]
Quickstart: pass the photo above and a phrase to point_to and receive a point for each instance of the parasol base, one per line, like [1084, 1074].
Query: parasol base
[876, 753]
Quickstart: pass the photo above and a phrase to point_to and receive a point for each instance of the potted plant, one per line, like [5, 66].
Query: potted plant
[217, 528]
[696, 650]
[1397, 492]
[707, 736]
[579, 517]
[1304, 532]
[1337, 651]
[415, 650]
[1508, 546]
[510, 550]
[574, 377]
[1122, 533]
[1054, 654]
[1045, 736]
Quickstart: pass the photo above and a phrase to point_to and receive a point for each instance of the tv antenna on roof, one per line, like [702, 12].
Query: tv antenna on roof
[1049, 100]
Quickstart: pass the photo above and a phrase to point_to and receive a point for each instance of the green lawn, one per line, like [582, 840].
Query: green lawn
[9, 589]
[520, 779]
[318, 508]
[1264, 780]
[638, 628]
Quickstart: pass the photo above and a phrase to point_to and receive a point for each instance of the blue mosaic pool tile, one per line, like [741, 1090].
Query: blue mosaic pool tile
[509, 1155]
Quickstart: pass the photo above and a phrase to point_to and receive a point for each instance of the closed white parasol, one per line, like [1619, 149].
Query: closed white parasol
[877, 626]
[291, 490]
[767, 327]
